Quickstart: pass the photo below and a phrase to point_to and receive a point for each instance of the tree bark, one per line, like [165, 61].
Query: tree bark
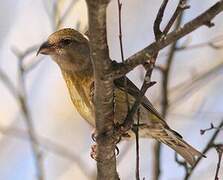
[103, 97]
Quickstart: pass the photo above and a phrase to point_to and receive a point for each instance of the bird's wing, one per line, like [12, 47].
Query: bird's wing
[135, 92]
[162, 133]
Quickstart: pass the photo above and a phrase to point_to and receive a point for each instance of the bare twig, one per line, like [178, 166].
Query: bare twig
[136, 131]
[202, 131]
[219, 149]
[159, 17]
[208, 146]
[120, 29]
[121, 48]
[182, 5]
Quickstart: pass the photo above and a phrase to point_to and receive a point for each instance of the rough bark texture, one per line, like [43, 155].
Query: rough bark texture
[103, 99]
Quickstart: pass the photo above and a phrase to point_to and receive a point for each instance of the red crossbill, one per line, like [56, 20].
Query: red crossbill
[70, 50]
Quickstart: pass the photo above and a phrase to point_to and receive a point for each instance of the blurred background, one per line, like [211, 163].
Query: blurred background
[35, 101]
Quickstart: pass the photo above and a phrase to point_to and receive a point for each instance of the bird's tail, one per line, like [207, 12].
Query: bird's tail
[176, 142]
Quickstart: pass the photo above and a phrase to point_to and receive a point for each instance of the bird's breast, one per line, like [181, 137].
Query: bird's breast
[83, 109]
[79, 90]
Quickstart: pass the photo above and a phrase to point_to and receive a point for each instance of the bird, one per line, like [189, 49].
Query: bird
[70, 49]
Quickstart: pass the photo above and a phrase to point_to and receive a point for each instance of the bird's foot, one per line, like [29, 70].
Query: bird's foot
[93, 152]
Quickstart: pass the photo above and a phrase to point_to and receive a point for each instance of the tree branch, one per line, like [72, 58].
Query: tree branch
[219, 149]
[103, 96]
[148, 52]
[182, 5]
[121, 47]
[159, 17]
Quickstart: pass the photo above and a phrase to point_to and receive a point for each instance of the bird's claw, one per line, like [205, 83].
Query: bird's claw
[93, 153]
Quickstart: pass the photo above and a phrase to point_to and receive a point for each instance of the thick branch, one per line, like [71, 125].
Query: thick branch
[148, 52]
[103, 96]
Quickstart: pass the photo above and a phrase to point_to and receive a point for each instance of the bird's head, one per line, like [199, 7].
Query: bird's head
[69, 48]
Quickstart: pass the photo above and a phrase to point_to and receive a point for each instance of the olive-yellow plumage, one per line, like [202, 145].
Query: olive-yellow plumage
[70, 50]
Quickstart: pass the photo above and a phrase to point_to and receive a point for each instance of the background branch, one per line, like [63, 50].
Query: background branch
[208, 146]
[148, 52]
[20, 96]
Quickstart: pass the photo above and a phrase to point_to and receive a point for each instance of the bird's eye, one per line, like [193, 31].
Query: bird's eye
[65, 42]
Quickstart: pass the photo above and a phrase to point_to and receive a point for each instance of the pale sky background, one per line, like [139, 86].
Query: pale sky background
[25, 23]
